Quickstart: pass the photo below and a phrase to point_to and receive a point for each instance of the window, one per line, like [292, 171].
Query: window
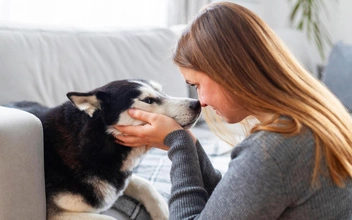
[86, 13]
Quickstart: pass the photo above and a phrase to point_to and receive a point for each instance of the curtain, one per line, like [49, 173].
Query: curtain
[182, 11]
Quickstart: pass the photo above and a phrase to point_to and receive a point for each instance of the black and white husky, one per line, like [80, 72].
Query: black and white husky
[85, 169]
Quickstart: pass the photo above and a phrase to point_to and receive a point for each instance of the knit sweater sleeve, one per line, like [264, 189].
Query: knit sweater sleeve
[210, 175]
[186, 178]
[249, 189]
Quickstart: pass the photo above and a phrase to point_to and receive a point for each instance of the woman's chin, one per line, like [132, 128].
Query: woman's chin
[230, 120]
[226, 119]
[222, 116]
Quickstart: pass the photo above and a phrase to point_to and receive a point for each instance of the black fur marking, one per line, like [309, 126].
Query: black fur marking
[77, 147]
[81, 157]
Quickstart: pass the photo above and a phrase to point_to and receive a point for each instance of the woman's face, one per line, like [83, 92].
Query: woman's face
[211, 94]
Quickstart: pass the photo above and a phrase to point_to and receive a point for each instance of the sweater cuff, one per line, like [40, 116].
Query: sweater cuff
[177, 136]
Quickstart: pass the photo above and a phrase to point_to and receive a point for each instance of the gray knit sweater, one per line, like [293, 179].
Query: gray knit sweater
[269, 177]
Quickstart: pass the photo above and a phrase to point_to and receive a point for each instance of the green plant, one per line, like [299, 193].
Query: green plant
[306, 16]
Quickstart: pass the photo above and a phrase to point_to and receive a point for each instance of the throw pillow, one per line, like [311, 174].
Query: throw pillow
[337, 75]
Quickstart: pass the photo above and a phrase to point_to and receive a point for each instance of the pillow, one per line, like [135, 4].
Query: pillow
[337, 75]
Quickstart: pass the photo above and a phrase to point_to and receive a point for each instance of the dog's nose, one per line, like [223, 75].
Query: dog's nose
[195, 105]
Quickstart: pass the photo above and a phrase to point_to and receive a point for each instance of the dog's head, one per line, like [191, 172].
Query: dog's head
[112, 101]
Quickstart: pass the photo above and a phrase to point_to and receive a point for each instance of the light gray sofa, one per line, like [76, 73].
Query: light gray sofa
[43, 64]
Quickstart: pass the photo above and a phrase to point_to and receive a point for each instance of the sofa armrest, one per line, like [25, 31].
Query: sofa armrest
[22, 186]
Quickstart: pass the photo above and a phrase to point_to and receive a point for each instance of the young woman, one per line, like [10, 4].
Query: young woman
[296, 163]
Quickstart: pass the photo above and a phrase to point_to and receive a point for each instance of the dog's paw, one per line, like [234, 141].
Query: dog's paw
[144, 192]
[79, 216]
[159, 211]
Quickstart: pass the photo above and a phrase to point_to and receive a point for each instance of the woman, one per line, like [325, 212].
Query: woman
[296, 162]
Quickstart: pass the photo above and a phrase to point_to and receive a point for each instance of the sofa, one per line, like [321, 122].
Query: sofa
[42, 64]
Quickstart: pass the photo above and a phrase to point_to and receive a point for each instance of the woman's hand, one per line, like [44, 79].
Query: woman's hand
[151, 134]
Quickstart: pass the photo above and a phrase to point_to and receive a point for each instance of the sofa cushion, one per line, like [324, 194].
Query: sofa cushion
[337, 75]
[41, 64]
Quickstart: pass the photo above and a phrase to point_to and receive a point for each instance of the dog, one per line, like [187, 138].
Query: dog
[85, 169]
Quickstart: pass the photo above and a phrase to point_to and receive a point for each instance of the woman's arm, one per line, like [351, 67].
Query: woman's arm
[188, 189]
[252, 188]
[210, 175]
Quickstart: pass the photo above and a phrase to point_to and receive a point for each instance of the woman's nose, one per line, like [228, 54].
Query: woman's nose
[202, 103]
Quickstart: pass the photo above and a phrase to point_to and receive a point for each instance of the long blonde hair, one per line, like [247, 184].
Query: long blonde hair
[240, 52]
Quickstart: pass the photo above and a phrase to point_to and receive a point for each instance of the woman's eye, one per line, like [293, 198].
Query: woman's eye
[148, 100]
[193, 85]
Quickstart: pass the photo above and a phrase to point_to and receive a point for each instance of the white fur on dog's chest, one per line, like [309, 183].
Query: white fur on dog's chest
[107, 192]
[104, 190]
[133, 158]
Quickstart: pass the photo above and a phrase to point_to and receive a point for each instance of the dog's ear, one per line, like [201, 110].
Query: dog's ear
[87, 102]
[103, 97]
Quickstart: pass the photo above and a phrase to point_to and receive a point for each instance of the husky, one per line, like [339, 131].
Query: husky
[85, 169]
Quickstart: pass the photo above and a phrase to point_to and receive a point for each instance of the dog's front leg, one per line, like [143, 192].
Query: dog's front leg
[141, 190]
[79, 216]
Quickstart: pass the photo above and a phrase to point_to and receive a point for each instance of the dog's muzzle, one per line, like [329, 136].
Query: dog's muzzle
[195, 106]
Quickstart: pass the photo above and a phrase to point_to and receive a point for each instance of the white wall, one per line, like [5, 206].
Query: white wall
[276, 14]
[341, 21]
[86, 13]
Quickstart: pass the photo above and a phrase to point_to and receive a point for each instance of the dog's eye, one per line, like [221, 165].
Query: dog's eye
[148, 100]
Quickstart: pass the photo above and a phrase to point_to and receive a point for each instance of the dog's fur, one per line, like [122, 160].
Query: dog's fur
[85, 169]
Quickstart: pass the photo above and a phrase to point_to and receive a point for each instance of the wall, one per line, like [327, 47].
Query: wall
[341, 21]
[86, 13]
[276, 14]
